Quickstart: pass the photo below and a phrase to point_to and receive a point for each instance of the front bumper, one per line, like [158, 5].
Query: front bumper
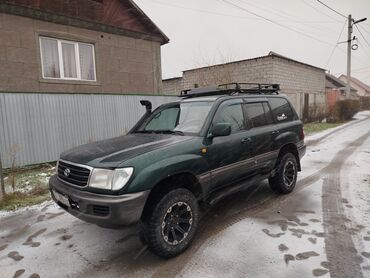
[108, 211]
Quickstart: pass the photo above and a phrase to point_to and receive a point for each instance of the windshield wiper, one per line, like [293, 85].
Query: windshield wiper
[164, 131]
[144, 131]
[168, 131]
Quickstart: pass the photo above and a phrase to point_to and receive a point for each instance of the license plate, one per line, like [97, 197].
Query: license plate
[61, 198]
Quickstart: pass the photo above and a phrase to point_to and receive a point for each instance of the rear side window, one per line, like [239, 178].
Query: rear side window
[257, 114]
[281, 109]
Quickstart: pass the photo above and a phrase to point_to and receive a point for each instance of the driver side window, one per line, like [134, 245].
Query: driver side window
[230, 112]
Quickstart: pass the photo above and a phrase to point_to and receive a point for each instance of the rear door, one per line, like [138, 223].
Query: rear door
[286, 121]
[229, 156]
[261, 132]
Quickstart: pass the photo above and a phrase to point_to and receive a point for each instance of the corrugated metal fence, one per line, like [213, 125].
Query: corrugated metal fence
[36, 128]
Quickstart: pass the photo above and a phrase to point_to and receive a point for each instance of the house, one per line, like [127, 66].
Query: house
[336, 90]
[363, 90]
[304, 84]
[73, 72]
[79, 46]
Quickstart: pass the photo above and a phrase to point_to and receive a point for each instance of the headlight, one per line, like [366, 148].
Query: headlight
[110, 179]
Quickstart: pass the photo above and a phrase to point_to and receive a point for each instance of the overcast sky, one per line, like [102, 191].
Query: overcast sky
[204, 32]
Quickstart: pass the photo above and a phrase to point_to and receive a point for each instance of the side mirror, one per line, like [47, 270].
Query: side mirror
[220, 129]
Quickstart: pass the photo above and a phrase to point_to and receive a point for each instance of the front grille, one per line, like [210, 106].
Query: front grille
[78, 175]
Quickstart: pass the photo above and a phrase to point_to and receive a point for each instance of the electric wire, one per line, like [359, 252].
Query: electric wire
[358, 29]
[320, 12]
[336, 45]
[330, 8]
[275, 22]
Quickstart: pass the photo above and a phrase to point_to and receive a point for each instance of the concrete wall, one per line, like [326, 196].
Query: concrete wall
[123, 64]
[296, 79]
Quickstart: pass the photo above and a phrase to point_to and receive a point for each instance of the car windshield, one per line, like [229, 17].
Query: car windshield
[180, 118]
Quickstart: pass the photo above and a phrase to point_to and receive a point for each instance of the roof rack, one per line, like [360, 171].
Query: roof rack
[232, 89]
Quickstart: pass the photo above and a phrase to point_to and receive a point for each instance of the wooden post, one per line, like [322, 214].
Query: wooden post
[2, 185]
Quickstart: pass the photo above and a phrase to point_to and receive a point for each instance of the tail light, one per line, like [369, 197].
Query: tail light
[301, 135]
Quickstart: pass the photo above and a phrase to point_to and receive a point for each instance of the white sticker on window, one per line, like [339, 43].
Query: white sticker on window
[281, 117]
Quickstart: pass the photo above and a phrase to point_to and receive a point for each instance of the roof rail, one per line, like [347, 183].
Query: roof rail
[232, 89]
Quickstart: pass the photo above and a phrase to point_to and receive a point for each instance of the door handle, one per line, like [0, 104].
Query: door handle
[275, 132]
[246, 140]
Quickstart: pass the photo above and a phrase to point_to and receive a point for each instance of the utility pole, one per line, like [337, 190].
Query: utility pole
[351, 22]
[349, 48]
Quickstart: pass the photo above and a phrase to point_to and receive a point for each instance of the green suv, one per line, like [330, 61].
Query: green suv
[210, 143]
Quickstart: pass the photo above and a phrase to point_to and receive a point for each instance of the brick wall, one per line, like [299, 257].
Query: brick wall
[296, 79]
[123, 64]
[172, 86]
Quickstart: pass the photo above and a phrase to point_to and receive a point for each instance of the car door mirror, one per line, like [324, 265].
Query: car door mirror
[220, 129]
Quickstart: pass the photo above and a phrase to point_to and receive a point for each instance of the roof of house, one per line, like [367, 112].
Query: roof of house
[121, 17]
[334, 82]
[358, 83]
[172, 78]
[271, 54]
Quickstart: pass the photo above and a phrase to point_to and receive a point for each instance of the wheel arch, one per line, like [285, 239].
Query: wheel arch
[185, 180]
[289, 148]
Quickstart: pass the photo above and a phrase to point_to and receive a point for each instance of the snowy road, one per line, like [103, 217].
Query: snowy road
[321, 229]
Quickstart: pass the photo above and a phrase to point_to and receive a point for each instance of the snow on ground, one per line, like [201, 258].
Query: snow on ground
[252, 234]
[356, 196]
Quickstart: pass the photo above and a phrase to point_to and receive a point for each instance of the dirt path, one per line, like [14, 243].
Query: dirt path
[344, 260]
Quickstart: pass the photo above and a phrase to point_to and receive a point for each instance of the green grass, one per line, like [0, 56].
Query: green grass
[19, 200]
[31, 186]
[311, 128]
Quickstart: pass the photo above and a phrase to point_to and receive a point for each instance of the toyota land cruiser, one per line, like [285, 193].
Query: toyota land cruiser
[210, 143]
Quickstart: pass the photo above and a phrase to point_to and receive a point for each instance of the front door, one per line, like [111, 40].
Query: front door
[229, 156]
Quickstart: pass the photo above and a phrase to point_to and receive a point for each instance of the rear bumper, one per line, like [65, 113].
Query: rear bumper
[301, 151]
[104, 210]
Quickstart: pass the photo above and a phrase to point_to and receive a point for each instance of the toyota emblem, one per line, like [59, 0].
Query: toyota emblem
[67, 172]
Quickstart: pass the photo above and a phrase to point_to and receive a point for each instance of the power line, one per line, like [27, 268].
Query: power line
[336, 45]
[364, 29]
[276, 23]
[320, 12]
[358, 29]
[285, 15]
[330, 8]
[235, 16]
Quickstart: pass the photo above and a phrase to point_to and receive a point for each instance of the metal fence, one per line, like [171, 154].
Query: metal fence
[36, 128]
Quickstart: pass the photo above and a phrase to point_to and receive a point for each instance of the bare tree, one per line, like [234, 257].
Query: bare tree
[214, 71]
[2, 190]
[14, 149]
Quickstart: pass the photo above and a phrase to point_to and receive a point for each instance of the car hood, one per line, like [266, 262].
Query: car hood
[112, 152]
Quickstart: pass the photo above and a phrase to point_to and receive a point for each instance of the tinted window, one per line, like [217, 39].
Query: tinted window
[255, 113]
[230, 113]
[268, 113]
[281, 109]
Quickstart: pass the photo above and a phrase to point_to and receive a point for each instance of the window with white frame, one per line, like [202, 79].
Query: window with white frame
[67, 60]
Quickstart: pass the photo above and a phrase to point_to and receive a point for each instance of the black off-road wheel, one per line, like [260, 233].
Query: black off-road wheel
[171, 226]
[285, 178]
